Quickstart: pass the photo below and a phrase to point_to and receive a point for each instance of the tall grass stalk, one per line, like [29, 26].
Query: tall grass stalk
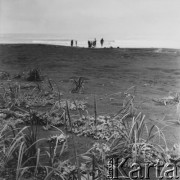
[74, 145]
[93, 167]
[95, 114]
[20, 157]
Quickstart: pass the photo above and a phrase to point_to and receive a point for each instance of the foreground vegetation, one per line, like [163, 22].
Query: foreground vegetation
[30, 104]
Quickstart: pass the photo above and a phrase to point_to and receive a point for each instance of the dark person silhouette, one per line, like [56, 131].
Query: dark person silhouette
[71, 43]
[94, 42]
[102, 42]
[76, 43]
[89, 44]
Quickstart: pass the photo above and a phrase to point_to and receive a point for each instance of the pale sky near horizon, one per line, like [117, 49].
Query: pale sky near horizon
[82, 19]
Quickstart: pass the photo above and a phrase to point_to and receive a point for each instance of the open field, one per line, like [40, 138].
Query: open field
[107, 74]
[107, 71]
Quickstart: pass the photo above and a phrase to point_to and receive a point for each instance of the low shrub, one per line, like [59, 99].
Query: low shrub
[34, 75]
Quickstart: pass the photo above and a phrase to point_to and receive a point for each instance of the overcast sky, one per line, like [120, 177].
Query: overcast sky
[82, 19]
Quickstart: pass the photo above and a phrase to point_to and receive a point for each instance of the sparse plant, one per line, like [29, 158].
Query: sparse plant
[34, 75]
[79, 85]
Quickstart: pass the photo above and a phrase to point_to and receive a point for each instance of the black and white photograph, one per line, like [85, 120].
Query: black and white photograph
[89, 89]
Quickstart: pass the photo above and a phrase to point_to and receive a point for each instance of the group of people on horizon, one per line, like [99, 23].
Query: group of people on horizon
[72, 43]
[93, 43]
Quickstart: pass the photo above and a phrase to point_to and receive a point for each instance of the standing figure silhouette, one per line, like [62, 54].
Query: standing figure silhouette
[71, 43]
[102, 42]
